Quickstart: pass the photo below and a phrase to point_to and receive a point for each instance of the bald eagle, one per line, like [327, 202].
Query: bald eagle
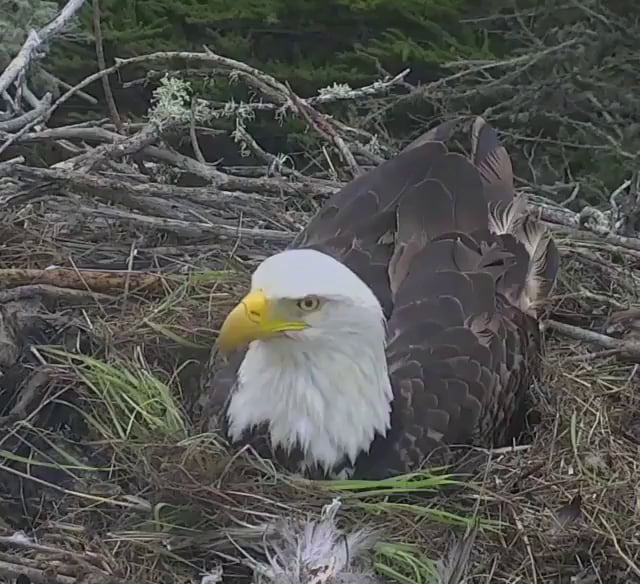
[404, 320]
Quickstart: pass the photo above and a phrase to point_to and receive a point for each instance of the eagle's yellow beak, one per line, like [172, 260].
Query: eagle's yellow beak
[253, 318]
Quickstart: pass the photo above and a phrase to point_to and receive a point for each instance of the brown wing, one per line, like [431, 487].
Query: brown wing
[447, 249]
[469, 274]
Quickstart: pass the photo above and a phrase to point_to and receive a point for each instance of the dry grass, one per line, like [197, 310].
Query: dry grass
[107, 474]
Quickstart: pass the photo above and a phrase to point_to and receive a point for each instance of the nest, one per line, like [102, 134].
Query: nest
[117, 264]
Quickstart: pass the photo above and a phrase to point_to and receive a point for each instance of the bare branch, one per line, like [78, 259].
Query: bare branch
[36, 40]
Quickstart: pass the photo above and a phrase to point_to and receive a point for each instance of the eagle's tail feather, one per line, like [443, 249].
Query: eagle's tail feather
[544, 263]
[508, 216]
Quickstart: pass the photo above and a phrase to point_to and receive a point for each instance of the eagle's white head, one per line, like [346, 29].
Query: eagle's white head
[315, 369]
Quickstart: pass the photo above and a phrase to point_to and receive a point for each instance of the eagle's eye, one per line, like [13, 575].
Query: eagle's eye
[308, 303]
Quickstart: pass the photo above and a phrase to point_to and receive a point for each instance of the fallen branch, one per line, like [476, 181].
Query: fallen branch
[69, 296]
[627, 348]
[15, 570]
[91, 280]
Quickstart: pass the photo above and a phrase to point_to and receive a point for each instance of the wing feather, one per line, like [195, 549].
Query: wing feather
[488, 257]
[493, 163]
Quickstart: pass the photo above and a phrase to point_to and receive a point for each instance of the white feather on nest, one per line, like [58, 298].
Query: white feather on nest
[317, 552]
[297, 551]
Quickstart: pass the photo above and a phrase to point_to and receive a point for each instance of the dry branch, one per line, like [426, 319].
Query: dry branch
[92, 280]
[628, 348]
[35, 42]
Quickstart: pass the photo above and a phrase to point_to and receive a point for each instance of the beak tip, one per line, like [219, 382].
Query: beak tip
[239, 327]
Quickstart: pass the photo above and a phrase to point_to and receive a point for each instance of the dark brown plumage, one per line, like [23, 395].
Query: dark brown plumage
[462, 273]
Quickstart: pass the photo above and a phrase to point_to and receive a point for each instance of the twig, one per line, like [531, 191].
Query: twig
[193, 229]
[194, 136]
[630, 563]
[125, 146]
[8, 165]
[323, 127]
[26, 118]
[57, 81]
[21, 61]
[111, 104]
[627, 348]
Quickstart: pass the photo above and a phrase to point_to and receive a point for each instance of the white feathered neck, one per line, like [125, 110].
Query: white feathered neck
[325, 389]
